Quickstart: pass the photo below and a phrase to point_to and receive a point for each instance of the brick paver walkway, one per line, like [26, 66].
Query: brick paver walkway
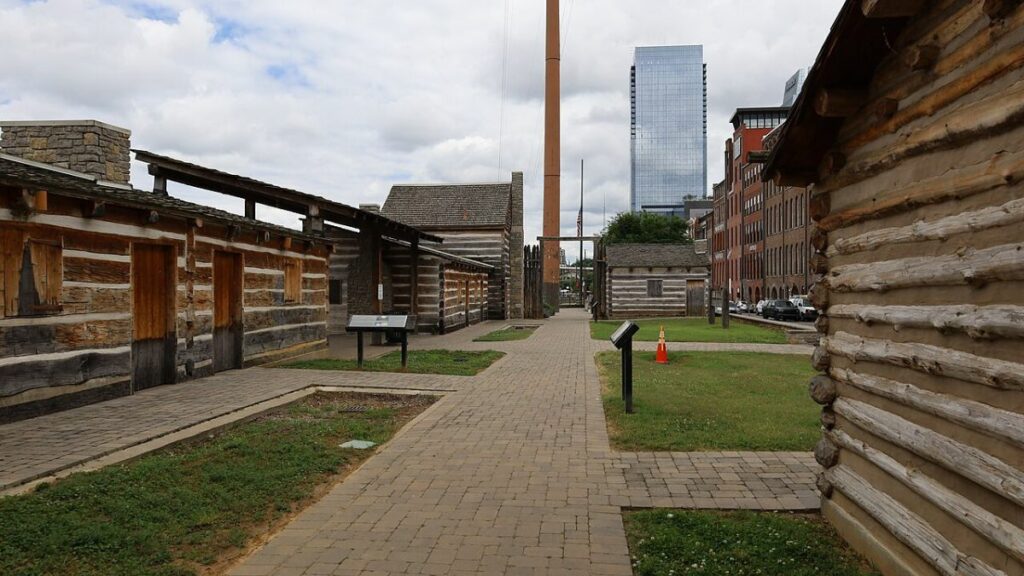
[513, 474]
[509, 473]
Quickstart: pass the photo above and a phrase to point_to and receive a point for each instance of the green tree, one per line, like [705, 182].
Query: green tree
[647, 228]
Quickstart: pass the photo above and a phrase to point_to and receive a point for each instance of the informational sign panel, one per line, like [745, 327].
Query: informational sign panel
[623, 333]
[378, 323]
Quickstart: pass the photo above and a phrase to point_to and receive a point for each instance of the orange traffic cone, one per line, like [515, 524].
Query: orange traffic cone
[661, 356]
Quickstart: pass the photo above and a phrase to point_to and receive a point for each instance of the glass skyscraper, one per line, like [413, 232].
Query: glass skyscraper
[668, 128]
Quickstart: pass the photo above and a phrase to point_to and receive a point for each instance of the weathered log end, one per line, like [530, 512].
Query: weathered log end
[819, 239]
[820, 359]
[818, 295]
[819, 206]
[822, 389]
[921, 57]
[997, 10]
[828, 418]
[821, 324]
[819, 263]
[824, 486]
[826, 452]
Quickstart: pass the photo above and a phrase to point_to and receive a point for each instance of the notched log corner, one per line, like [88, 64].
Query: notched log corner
[828, 418]
[822, 389]
[820, 360]
[826, 452]
[824, 486]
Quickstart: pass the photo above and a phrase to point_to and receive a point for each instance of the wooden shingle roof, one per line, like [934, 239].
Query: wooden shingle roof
[650, 255]
[433, 206]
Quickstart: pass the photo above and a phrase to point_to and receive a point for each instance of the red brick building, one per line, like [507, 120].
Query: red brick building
[745, 199]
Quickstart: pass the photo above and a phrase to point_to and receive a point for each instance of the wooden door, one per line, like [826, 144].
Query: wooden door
[227, 311]
[154, 338]
[694, 297]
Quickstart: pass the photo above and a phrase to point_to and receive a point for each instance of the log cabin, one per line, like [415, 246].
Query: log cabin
[108, 290]
[909, 133]
[479, 222]
[651, 280]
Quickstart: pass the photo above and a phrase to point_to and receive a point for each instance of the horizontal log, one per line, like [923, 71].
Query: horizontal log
[921, 57]
[20, 374]
[959, 458]
[907, 526]
[968, 267]
[978, 322]
[929, 359]
[838, 103]
[1002, 424]
[1003, 534]
[1008, 214]
[1003, 169]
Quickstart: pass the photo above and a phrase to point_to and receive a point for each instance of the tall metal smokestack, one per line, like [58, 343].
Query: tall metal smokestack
[552, 158]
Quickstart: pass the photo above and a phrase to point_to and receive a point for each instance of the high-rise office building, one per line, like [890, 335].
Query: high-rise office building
[668, 128]
[793, 87]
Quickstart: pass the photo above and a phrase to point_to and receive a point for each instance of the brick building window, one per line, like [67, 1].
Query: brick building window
[655, 288]
[293, 280]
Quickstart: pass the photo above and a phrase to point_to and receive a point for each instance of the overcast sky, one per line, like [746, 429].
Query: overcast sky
[346, 98]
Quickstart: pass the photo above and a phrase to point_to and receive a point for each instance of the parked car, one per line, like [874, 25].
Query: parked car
[780, 310]
[742, 306]
[807, 310]
[733, 309]
[760, 307]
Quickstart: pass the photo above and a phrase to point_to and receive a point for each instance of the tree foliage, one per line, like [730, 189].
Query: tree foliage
[647, 228]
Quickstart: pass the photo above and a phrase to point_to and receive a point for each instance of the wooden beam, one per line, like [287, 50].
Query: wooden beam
[160, 185]
[839, 102]
[891, 8]
[794, 178]
[42, 202]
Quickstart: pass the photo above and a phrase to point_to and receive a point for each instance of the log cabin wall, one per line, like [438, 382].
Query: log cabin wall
[490, 247]
[74, 346]
[346, 250]
[648, 292]
[428, 290]
[918, 212]
[465, 298]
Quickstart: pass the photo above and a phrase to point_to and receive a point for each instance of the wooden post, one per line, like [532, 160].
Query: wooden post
[160, 185]
[414, 275]
[250, 209]
[725, 308]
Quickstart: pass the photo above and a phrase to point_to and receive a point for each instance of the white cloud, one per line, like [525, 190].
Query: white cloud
[345, 99]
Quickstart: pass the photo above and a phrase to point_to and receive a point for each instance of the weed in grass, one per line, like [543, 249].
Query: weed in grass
[450, 362]
[678, 542]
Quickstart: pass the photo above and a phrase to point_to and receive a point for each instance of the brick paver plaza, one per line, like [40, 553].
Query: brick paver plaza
[509, 473]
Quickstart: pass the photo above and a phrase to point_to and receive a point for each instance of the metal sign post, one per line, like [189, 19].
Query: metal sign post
[622, 338]
[360, 323]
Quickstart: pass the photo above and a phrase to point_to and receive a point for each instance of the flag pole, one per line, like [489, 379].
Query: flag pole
[580, 232]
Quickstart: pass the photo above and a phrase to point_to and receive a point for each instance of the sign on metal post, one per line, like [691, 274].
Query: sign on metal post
[360, 323]
[622, 338]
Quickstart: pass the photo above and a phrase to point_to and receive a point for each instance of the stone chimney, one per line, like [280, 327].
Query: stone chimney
[374, 208]
[87, 146]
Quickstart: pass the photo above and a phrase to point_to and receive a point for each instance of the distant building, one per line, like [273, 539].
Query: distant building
[478, 222]
[655, 280]
[793, 87]
[787, 249]
[668, 127]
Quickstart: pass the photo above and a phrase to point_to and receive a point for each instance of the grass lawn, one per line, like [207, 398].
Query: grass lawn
[451, 362]
[194, 507]
[693, 330]
[506, 334]
[740, 543]
[712, 401]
